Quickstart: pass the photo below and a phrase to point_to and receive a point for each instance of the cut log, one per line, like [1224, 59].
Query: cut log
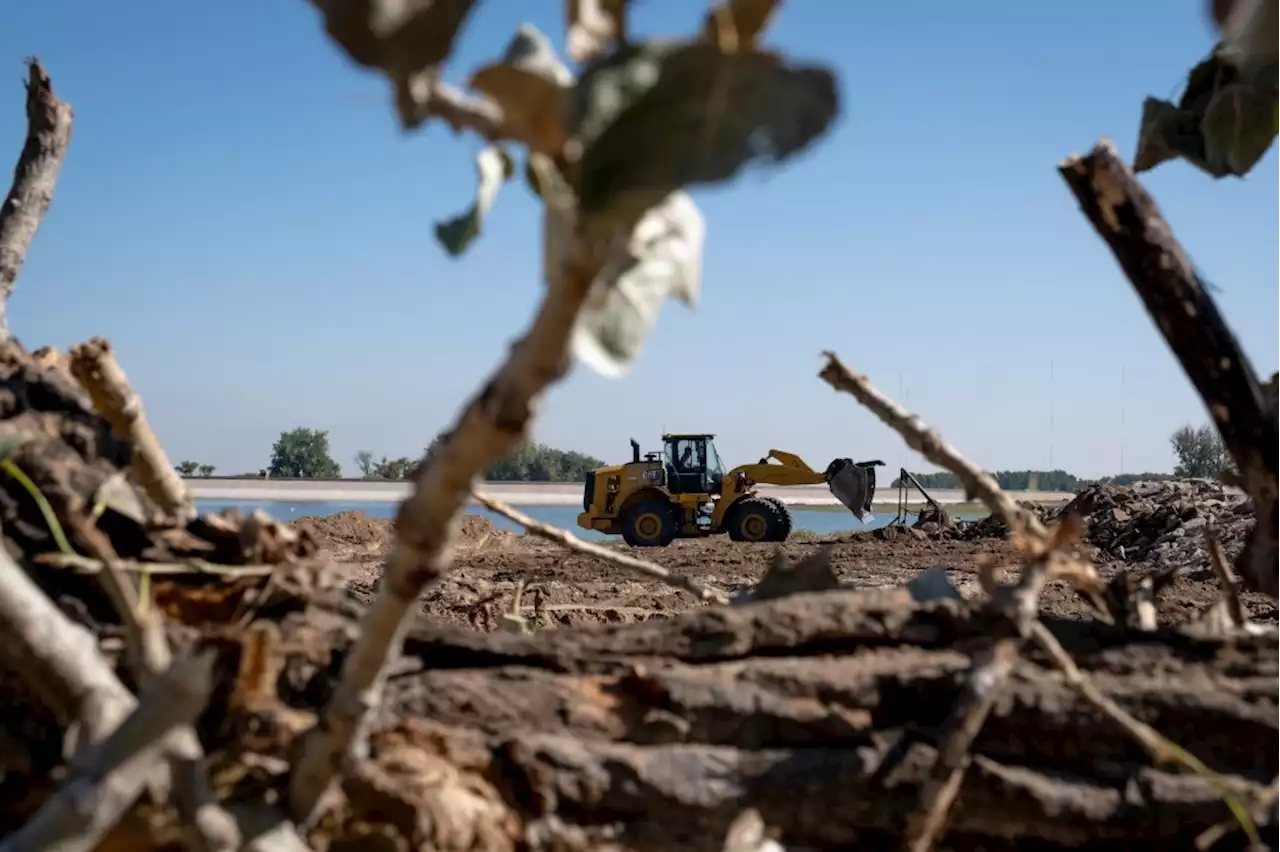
[819, 711]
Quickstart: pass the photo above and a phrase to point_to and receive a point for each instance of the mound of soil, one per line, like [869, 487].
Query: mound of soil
[357, 537]
[477, 530]
[345, 530]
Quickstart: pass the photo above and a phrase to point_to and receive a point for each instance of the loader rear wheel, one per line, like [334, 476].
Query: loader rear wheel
[754, 519]
[649, 523]
[784, 517]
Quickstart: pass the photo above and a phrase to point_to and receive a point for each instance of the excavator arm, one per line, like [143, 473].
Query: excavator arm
[853, 483]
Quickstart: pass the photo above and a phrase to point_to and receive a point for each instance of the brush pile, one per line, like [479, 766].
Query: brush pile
[812, 708]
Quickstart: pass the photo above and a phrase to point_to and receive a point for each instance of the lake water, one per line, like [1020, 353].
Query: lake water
[811, 520]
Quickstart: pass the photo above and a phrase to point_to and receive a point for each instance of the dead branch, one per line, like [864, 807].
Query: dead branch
[491, 426]
[1226, 583]
[1042, 553]
[986, 682]
[34, 178]
[95, 367]
[105, 779]
[58, 659]
[210, 827]
[1131, 224]
[926, 441]
[568, 540]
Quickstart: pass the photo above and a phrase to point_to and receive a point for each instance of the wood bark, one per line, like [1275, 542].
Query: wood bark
[48, 135]
[822, 711]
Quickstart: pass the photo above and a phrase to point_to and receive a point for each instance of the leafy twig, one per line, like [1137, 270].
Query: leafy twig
[491, 426]
[34, 179]
[605, 554]
[95, 367]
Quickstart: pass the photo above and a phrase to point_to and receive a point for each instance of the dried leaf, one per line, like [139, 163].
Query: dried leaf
[1159, 120]
[494, 168]
[655, 117]
[1239, 127]
[531, 85]
[737, 24]
[1249, 30]
[662, 259]
[594, 26]
[405, 39]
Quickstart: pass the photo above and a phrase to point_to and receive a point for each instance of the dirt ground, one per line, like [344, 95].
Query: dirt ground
[566, 588]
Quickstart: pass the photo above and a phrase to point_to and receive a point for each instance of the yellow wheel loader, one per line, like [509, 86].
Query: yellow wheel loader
[685, 492]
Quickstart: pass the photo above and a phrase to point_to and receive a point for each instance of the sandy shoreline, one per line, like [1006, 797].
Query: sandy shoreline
[520, 493]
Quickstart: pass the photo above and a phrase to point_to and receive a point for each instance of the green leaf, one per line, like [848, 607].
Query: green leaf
[530, 84]
[1159, 118]
[1239, 127]
[652, 118]
[406, 39]
[662, 259]
[494, 167]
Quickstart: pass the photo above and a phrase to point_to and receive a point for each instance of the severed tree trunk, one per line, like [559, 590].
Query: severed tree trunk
[818, 710]
[48, 134]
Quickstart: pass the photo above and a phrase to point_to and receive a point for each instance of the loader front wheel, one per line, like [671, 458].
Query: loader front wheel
[784, 518]
[649, 523]
[754, 519]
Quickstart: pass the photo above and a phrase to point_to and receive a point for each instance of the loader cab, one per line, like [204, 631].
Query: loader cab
[693, 465]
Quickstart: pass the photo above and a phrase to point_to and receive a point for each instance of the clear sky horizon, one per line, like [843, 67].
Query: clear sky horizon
[240, 215]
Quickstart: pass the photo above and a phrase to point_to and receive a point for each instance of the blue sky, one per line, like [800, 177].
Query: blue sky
[241, 216]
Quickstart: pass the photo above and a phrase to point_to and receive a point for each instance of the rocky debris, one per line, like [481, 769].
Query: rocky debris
[991, 526]
[1163, 522]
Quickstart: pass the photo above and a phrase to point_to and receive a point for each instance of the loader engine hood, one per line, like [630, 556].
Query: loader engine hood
[853, 484]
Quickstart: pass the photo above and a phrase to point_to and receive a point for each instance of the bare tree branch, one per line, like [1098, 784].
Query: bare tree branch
[490, 427]
[605, 554]
[1129, 221]
[95, 367]
[57, 658]
[108, 777]
[34, 178]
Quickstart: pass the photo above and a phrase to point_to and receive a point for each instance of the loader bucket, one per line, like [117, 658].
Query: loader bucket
[853, 484]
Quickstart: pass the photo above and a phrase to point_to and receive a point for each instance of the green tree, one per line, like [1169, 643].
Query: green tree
[205, 470]
[1199, 451]
[190, 468]
[401, 468]
[365, 463]
[534, 462]
[303, 454]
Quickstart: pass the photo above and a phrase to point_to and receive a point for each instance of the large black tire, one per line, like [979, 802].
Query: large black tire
[784, 517]
[754, 519]
[649, 523]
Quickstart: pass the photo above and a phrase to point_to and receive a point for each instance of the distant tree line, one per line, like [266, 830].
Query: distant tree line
[303, 453]
[1198, 453]
[533, 462]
